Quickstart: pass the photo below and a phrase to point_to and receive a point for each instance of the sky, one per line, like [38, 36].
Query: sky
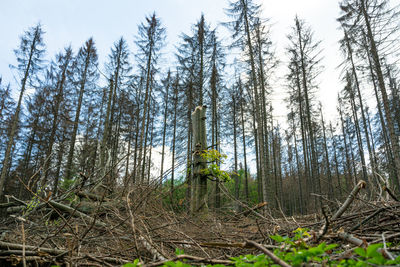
[72, 22]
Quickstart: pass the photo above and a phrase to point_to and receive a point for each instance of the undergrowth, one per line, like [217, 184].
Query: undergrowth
[294, 251]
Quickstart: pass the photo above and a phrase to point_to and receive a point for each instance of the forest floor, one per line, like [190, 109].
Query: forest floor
[82, 229]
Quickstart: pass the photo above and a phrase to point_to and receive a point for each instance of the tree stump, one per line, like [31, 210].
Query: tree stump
[199, 183]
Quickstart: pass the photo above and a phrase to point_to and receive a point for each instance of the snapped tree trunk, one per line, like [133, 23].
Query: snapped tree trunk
[199, 183]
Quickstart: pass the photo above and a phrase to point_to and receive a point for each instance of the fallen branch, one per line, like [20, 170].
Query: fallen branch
[229, 245]
[349, 200]
[258, 206]
[352, 239]
[91, 196]
[268, 253]
[6, 205]
[367, 219]
[77, 213]
[387, 189]
[11, 246]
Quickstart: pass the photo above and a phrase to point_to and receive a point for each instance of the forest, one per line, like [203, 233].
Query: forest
[140, 145]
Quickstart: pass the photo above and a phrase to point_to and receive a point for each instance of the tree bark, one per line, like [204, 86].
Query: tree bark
[199, 184]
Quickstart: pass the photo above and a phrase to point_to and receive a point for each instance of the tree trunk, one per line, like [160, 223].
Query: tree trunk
[58, 100]
[15, 121]
[382, 87]
[314, 165]
[246, 182]
[257, 107]
[199, 183]
[174, 137]
[336, 161]
[236, 176]
[164, 130]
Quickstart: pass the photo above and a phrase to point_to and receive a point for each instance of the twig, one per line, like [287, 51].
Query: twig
[268, 253]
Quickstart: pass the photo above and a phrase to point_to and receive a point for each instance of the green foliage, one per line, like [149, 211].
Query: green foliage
[215, 159]
[295, 252]
[213, 155]
[177, 264]
[176, 201]
[179, 251]
[252, 260]
[34, 202]
[66, 184]
[135, 263]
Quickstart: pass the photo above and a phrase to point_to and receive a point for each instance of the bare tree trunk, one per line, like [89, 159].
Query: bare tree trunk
[15, 121]
[328, 166]
[60, 155]
[358, 132]
[164, 130]
[354, 71]
[174, 137]
[189, 165]
[301, 200]
[58, 100]
[146, 136]
[106, 133]
[146, 104]
[199, 184]
[346, 149]
[378, 69]
[69, 166]
[314, 165]
[336, 161]
[257, 106]
[246, 182]
[236, 176]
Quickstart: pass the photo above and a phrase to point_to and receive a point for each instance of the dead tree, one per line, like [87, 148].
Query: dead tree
[199, 183]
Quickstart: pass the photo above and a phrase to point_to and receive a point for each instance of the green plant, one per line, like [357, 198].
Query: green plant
[214, 159]
[34, 202]
[135, 263]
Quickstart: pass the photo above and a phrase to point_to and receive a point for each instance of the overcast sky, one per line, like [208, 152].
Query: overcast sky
[74, 21]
